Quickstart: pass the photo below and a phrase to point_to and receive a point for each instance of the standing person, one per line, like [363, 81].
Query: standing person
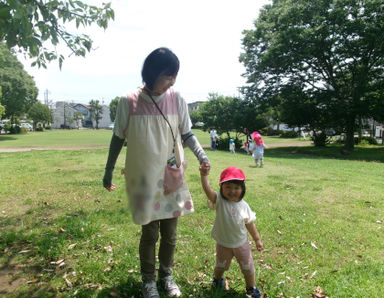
[258, 148]
[153, 121]
[232, 146]
[213, 134]
[234, 219]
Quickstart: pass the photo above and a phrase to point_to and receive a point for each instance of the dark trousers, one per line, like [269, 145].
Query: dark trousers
[147, 249]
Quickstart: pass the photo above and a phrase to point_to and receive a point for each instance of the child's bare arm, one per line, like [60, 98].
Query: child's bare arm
[210, 193]
[255, 235]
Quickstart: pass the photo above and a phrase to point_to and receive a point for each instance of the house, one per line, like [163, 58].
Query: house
[64, 116]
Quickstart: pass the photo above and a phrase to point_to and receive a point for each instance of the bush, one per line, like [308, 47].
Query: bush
[14, 129]
[223, 144]
[269, 131]
[289, 134]
[23, 130]
[320, 139]
[366, 141]
[40, 128]
[48, 127]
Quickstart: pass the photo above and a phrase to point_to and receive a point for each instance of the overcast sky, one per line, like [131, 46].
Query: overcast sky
[205, 35]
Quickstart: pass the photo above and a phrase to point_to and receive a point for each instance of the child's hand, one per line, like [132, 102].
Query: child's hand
[259, 245]
[204, 168]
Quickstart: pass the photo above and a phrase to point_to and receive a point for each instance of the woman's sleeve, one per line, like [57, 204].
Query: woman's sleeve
[121, 120]
[185, 123]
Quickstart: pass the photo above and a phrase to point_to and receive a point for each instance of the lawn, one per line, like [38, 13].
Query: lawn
[320, 217]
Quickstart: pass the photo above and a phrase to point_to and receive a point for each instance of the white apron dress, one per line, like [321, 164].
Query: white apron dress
[149, 146]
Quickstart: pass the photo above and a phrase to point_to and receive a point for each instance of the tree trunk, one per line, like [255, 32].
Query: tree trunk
[349, 141]
[360, 129]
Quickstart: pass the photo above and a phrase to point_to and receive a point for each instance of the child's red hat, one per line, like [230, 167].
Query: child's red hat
[232, 173]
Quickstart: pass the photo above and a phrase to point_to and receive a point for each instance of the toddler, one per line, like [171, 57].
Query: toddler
[232, 146]
[258, 149]
[234, 219]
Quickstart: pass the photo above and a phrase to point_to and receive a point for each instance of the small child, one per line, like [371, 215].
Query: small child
[232, 146]
[234, 219]
[258, 149]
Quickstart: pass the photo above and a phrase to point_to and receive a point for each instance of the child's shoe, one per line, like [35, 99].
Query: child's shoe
[253, 292]
[219, 284]
[149, 289]
[261, 164]
[169, 286]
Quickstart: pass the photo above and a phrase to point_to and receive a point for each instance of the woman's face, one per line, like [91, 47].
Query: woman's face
[163, 83]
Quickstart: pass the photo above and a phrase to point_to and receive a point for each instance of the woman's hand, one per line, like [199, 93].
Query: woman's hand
[204, 168]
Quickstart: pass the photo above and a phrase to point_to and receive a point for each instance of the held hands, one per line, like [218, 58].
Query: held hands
[204, 168]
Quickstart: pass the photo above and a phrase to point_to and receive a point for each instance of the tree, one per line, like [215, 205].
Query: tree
[228, 114]
[329, 51]
[39, 113]
[78, 116]
[28, 25]
[96, 111]
[19, 91]
[113, 108]
[2, 109]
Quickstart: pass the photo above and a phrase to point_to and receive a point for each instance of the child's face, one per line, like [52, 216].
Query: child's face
[163, 83]
[232, 191]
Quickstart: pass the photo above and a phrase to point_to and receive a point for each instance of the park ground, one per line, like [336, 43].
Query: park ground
[319, 213]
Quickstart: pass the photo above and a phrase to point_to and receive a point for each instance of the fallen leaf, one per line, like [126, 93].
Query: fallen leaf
[24, 251]
[46, 203]
[33, 281]
[313, 274]
[72, 245]
[108, 248]
[314, 245]
[114, 293]
[61, 230]
[69, 284]
[379, 221]
[278, 232]
[107, 269]
[57, 262]
[280, 217]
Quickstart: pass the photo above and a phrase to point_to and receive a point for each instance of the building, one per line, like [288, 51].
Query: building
[77, 115]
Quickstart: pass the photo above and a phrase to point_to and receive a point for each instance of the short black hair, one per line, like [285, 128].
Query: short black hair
[161, 61]
[239, 182]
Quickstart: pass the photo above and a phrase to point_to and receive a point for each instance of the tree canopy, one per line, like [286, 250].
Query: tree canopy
[39, 113]
[28, 25]
[324, 59]
[113, 108]
[96, 111]
[19, 91]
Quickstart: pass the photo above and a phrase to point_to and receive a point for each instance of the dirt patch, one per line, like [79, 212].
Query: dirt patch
[24, 149]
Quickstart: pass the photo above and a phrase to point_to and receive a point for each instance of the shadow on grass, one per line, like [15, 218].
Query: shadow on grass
[6, 138]
[371, 154]
[31, 257]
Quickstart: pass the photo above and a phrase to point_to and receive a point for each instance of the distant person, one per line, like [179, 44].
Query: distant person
[232, 146]
[258, 149]
[153, 121]
[234, 220]
[214, 137]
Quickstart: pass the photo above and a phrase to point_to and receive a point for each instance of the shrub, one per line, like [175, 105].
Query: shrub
[366, 141]
[320, 139]
[14, 129]
[289, 134]
[40, 128]
[223, 144]
[23, 130]
[48, 127]
[269, 131]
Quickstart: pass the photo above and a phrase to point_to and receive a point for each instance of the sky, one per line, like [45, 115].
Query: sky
[204, 34]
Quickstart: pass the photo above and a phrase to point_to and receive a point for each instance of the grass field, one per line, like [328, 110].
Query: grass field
[320, 217]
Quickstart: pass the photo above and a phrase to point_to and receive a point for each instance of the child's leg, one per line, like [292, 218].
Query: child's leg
[257, 161]
[261, 161]
[224, 257]
[149, 237]
[243, 256]
[168, 230]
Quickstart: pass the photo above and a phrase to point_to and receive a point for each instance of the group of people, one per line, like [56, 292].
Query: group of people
[154, 122]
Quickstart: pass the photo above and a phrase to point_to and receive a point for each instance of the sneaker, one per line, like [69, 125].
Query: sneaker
[149, 290]
[261, 165]
[169, 286]
[219, 283]
[253, 292]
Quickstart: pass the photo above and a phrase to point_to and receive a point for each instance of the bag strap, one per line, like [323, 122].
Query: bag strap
[165, 118]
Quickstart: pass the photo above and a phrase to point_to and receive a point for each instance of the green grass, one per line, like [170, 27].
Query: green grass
[88, 137]
[53, 207]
